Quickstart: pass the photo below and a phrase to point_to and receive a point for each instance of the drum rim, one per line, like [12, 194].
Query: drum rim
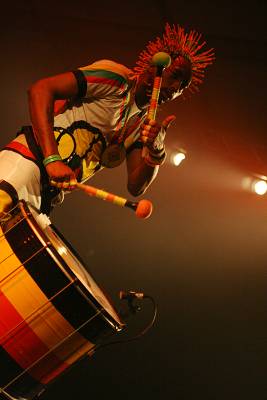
[25, 208]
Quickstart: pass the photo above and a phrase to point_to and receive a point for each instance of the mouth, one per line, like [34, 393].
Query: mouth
[164, 97]
[148, 90]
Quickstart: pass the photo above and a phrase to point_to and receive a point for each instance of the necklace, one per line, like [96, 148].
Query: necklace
[115, 153]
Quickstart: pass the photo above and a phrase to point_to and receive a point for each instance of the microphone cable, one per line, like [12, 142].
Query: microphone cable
[138, 335]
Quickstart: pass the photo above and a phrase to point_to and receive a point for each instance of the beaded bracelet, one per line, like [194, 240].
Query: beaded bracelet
[52, 158]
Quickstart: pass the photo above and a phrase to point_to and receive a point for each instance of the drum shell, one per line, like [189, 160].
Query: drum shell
[48, 319]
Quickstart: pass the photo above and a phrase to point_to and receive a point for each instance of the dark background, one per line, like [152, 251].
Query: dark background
[202, 255]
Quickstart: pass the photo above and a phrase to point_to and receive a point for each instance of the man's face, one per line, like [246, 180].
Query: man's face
[175, 79]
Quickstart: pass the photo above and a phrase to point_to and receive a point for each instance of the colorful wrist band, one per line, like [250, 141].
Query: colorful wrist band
[157, 153]
[52, 158]
[153, 161]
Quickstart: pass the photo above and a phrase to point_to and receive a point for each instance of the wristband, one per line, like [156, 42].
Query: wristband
[52, 158]
[154, 158]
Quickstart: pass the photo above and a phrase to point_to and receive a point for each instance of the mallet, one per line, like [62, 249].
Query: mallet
[160, 60]
[143, 208]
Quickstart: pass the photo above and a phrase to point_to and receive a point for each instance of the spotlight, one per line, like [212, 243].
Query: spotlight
[256, 184]
[260, 187]
[177, 157]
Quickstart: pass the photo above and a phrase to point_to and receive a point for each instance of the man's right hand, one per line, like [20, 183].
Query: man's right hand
[61, 176]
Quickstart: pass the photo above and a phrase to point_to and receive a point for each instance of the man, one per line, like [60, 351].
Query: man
[95, 117]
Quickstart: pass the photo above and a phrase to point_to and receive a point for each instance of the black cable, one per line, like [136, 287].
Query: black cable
[139, 335]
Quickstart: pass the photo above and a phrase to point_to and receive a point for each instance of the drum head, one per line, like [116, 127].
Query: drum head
[73, 262]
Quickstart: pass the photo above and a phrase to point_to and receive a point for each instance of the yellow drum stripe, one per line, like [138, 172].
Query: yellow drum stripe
[47, 323]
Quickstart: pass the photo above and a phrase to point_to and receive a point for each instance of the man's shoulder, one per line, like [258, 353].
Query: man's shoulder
[110, 66]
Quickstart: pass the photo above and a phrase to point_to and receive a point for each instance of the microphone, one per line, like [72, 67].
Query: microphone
[130, 295]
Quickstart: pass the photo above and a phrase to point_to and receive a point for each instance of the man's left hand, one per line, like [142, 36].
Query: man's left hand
[153, 134]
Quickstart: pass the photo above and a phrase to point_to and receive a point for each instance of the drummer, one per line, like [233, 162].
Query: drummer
[95, 117]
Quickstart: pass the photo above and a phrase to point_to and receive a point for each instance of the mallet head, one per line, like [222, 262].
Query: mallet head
[144, 209]
[161, 60]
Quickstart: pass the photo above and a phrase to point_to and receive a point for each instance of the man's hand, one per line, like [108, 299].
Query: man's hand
[61, 176]
[153, 134]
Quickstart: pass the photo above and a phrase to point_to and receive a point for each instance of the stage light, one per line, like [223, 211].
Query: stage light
[177, 157]
[260, 187]
[256, 184]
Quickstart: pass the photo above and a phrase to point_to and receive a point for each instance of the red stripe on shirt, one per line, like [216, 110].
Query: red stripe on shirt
[60, 106]
[20, 148]
[106, 81]
[133, 127]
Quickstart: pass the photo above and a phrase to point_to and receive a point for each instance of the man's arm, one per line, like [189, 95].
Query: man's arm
[140, 175]
[42, 96]
[143, 164]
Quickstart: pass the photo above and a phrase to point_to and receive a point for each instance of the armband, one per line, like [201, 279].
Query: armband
[155, 157]
[52, 158]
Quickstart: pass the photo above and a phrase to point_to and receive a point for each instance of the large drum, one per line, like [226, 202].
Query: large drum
[52, 313]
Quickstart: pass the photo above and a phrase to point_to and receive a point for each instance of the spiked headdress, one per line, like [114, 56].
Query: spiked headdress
[176, 42]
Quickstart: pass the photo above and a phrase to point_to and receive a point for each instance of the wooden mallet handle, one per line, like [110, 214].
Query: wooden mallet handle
[143, 208]
[160, 60]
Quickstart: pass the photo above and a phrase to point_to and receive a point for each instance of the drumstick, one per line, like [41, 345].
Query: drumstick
[160, 60]
[143, 208]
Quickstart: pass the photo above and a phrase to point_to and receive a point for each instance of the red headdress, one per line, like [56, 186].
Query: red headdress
[176, 42]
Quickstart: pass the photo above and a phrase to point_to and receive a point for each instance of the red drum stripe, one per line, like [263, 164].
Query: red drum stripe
[24, 346]
[35, 310]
